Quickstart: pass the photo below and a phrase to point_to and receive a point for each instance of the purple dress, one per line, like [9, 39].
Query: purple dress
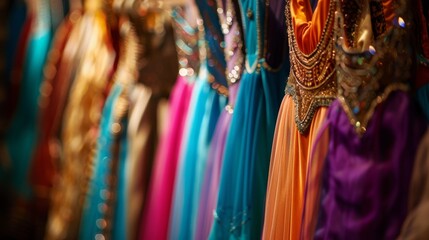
[229, 19]
[374, 130]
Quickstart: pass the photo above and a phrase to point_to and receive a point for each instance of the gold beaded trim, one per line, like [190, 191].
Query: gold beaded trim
[187, 44]
[307, 102]
[312, 81]
[234, 48]
[366, 78]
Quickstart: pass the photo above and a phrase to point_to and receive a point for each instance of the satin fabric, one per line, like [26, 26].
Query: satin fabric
[291, 150]
[200, 127]
[210, 187]
[288, 170]
[241, 198]
[367, 179]
[234, 55]
[205, 108]
[156, 214]
[106, 199]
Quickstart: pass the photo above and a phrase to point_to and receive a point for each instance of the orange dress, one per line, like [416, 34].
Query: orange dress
[311, 88]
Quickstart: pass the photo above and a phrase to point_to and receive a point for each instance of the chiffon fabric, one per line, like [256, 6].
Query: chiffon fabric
[156, 213]
[366, 179]
[288, 172]
[292, 150]
[207, 104]
[241, 198]
[210, 187]
[103, 201]
[234, 54]
[205, 108]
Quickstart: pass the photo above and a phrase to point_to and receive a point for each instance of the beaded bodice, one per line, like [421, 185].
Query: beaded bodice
[374, 58]
[187, 39]
[234, 48]
[311, 81]
[215, 43]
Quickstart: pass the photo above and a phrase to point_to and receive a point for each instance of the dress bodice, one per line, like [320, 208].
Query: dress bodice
[312, 82]
[234, 48]
[187, 43]
[368, 66]
[215, 44]
[263, 21]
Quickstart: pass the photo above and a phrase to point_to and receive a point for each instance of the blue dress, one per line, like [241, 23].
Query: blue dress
[106, 199]
[21, 136]
[240, 207]
[206, 105]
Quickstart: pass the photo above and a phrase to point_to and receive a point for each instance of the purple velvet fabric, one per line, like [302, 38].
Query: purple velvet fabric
[366, 179]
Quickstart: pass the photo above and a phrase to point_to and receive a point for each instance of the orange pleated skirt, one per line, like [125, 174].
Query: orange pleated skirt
[290, 158]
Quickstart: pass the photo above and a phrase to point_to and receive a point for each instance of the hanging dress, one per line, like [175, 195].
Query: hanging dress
[22, 114]
[54, 91]
[104, 213]
[374, 127]
[241, 199]
[311, 87]
[234, 55]
[156, 212]
[81, 122]
[208, 101]
[416, 226]
[21, 134]
[158, 67]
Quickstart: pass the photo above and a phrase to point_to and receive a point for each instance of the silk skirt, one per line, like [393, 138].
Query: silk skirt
[206, 106]
[289, 160]
[241, 198]
[156, 213]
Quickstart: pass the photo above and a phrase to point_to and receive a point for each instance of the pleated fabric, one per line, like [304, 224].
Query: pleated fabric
[367, 178]
[210, 187]
[205, 108]
[288, 170]
[156, 214]
[241, 199]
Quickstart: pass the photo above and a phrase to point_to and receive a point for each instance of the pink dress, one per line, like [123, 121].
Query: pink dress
[156, 212]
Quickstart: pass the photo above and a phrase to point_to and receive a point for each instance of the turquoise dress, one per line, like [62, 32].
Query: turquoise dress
[205, 107]
[240, 207]
[21, 135]
[105, 205]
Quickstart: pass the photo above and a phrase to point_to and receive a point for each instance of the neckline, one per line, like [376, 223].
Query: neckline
[327, 29]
